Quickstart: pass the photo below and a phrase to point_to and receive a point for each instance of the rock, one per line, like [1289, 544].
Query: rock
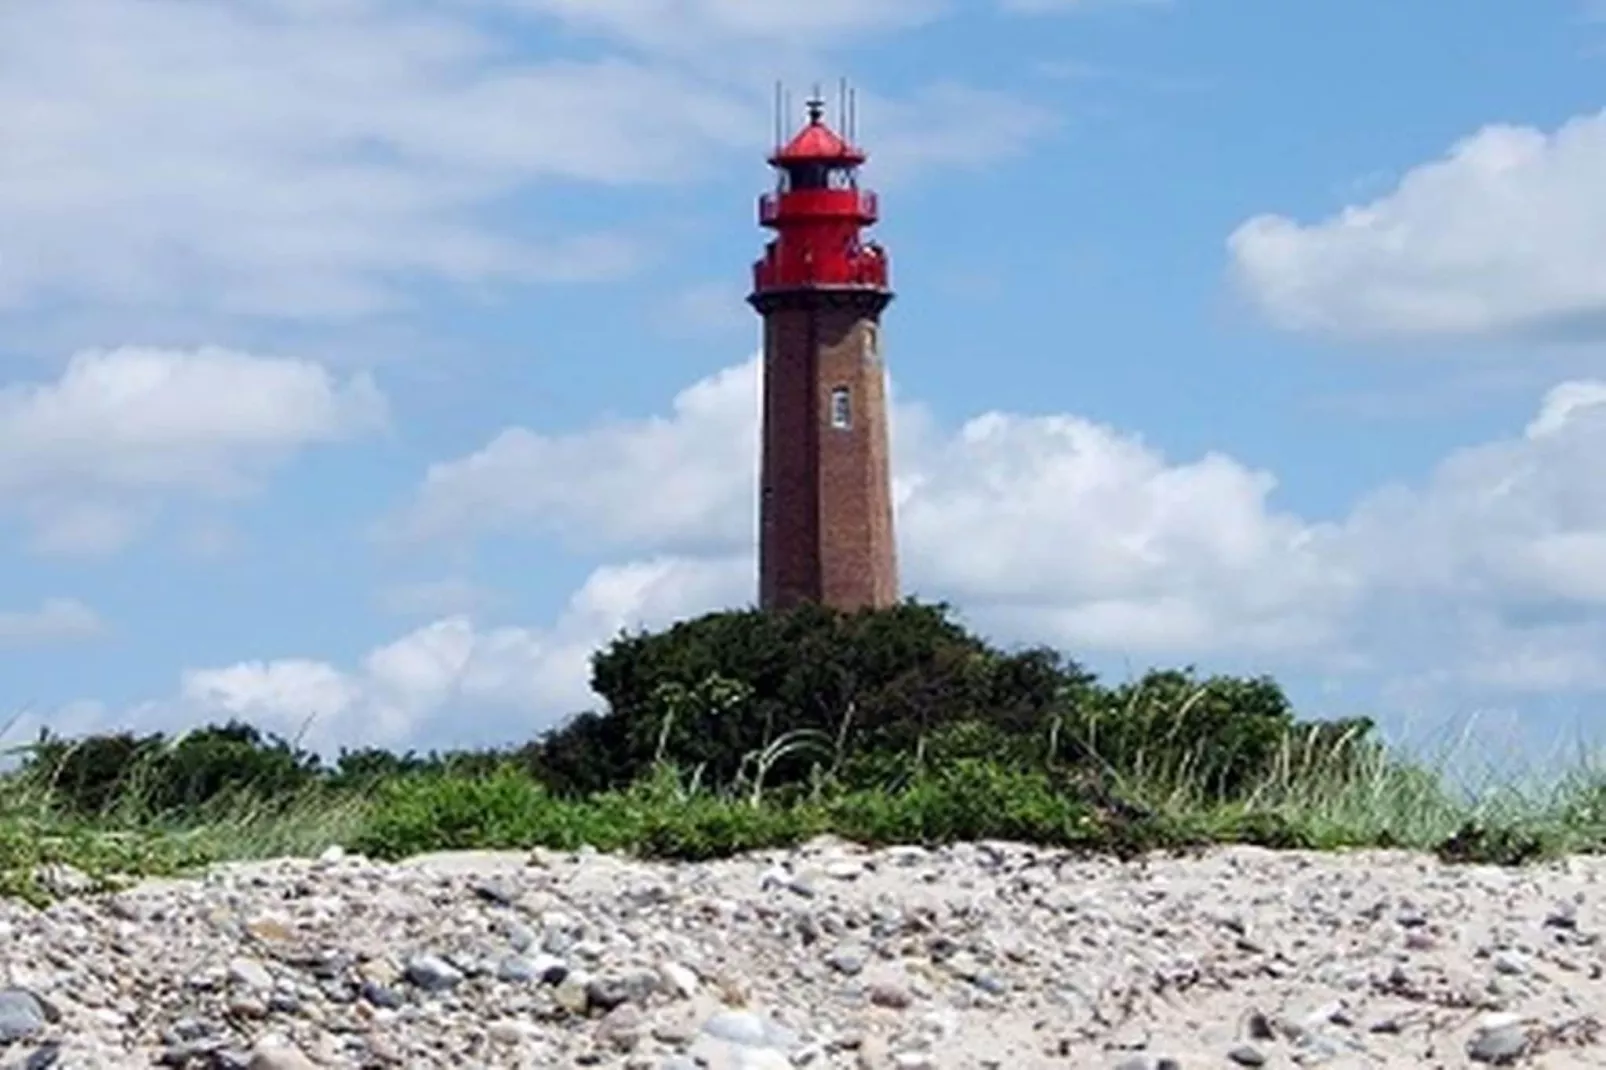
[890, 994]
[622, 1027]
[738, 1027]
[508, 1032]
[250, 973]
[516, 969]
[994, 956]
[677, 980]
[22, 1015]
[848, 959]
[379, 995]
[1564, 915]
[846, 869]
[1510, 963]
[43, 1057]
[433, 974]
[1499, 1039]
[279, 1057]
[496, 892]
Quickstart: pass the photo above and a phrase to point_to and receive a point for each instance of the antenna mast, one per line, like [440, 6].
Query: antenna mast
[779, 126]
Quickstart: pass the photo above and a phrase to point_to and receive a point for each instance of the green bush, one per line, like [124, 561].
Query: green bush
[160, 776]
[748, 729]
[714, 692]
[872, 699]
[1218, 738]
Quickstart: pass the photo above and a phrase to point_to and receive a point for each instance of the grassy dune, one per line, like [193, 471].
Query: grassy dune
[1339, 795]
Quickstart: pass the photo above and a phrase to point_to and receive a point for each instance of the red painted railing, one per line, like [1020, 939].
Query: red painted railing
[866, 267]
[855, 204]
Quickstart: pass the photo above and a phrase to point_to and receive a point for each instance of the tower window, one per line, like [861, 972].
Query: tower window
[841, 409]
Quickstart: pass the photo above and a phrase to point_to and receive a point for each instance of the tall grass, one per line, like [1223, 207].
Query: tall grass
[1322, 791]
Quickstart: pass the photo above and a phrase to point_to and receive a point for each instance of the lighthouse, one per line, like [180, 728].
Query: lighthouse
[825, 495]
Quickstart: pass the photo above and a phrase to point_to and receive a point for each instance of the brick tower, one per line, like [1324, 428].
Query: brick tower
[825, 506]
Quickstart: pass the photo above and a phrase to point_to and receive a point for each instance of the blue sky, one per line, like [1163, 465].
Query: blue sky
[371, 363]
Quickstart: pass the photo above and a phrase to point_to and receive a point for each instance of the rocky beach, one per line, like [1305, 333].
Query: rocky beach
[985, 955]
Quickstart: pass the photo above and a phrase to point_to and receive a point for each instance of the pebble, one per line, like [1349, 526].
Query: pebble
[22, 1015]
[1499, 1039]
[433, 974]
[1247, 1055]
[982, 957]
[275, 1057]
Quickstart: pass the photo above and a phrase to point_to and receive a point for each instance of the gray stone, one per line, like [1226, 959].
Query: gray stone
[848, 959]
[380, 995]
[622, 1027]
[22, 1015]
[433, 973]
[43, 1057]
[1247, 1055]
[250, 973]
[280, 1057]
[1499, 1039]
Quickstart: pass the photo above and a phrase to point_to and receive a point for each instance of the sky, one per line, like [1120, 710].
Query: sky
[367, 364]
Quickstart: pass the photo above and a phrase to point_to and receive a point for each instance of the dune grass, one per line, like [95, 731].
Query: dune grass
[1335, 794]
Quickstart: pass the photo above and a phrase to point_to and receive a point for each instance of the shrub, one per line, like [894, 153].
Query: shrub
[713, 691]
[160, 776]
[875, 698]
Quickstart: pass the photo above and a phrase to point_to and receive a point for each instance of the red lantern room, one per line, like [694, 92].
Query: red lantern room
[817, 211]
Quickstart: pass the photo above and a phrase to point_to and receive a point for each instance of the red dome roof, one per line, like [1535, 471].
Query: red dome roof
[817, 143]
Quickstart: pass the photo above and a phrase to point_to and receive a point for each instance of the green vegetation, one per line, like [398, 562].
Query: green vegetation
[743, 729]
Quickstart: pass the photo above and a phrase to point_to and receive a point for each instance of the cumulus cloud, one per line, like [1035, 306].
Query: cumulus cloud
[85, 459]
[1518, 522]
[1483, 579]
[514, 681]
[57, 620]
[685, 480]
[1082, 534]
[1094, 533]
[1500, 236]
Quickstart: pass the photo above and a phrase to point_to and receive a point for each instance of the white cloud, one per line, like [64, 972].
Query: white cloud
[1076, 525]
[686, 480]
[1501, 235]
[1516, 523]
[1087, 536]
[715, 25]
[57, 620]
[87, 458]
[1484, 580]
[289, 158]
[516, 682]
[946, 125]
[280, 157]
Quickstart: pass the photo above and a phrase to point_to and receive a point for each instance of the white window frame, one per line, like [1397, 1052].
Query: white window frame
[841, 408]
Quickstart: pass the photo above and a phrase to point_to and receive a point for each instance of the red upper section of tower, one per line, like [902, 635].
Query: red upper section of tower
[817, 211]
[817, 143]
